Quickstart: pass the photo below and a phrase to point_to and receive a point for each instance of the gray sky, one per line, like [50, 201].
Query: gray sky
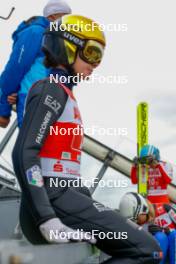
[145, 53]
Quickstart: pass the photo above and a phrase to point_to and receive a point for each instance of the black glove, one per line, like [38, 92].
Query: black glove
[153, 229]
[166, 230]
[149, 160]
[136, 161]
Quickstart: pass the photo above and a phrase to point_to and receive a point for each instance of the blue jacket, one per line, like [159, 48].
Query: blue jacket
[25, 65]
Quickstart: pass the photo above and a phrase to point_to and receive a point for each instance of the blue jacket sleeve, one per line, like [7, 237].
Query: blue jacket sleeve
[25, 50]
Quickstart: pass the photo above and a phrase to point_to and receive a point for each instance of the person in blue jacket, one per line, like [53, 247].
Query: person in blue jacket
[25, 65]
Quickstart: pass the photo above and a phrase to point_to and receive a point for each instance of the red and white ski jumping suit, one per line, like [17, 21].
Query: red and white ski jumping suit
[165, 216]
[158, 180]
[61, 152]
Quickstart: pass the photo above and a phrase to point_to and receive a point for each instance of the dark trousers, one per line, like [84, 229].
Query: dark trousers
[76, 209]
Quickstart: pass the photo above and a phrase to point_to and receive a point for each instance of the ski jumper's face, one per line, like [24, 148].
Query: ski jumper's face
[82, 68]
[142, 219]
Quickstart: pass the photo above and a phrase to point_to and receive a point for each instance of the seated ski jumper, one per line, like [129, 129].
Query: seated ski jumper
[40, 155]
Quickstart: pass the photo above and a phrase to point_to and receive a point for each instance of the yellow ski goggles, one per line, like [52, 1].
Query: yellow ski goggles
[92, 52]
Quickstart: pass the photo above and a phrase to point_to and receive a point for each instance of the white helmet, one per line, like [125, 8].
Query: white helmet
[132, 205]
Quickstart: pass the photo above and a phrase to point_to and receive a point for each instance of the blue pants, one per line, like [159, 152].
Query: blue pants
[163, 241]
[168, 245]
[172, 247]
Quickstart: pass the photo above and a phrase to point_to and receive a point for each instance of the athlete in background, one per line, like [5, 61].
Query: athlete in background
[160, 174]
[40, 156]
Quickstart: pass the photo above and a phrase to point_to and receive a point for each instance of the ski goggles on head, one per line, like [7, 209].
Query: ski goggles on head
[142, 207]
[92, 52]
[147, 159]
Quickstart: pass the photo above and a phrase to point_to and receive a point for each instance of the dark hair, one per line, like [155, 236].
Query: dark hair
[49, 61]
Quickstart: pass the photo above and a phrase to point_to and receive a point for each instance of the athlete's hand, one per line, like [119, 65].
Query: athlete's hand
[136, 161]
[4, 121]
[54, 231]
[153, 229]
[143, 160]
[166, 230]
[12, 99]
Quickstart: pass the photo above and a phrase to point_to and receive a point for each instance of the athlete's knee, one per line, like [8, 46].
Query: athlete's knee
[162, 238]
[151, 249]
[163, 241]
[172, 246]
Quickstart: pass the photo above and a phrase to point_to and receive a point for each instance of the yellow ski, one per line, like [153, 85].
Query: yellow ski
[142, 139]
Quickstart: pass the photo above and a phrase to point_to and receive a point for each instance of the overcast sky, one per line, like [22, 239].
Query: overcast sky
[145, 53]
